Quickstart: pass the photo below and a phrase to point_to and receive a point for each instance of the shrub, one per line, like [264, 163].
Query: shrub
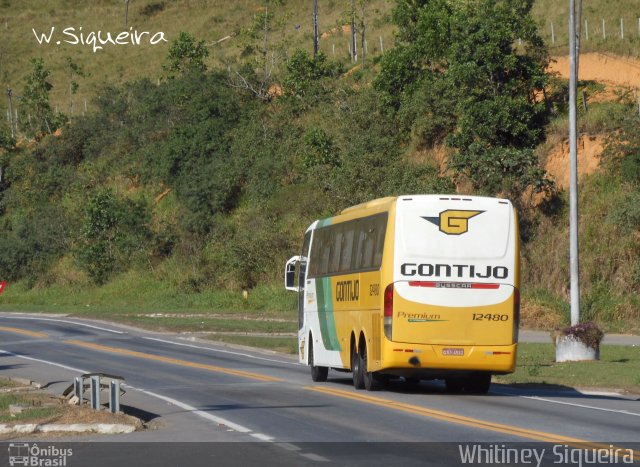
[152, 8]
[625, 213]
[587, 333]
[319, 149]
[305, 73]
[113, 233]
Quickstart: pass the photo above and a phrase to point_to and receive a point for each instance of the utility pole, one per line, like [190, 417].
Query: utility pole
[126, 12]
[363, 40]
[354, 48]
[573, 169]
[13, 132]
[315, 29]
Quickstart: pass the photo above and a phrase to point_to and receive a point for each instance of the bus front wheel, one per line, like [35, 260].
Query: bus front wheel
[318, 373]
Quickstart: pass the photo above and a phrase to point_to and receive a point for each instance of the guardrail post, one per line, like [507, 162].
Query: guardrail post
[95, 392]
[78, 388]
[114, 396]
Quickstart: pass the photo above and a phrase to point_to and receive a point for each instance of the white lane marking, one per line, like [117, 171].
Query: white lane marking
[60, 365]
[221, 351]
[544, 399]
[67, 322]
[315, 457]
[288, 446]
[177, 403]
[194, 410]
[262, 437]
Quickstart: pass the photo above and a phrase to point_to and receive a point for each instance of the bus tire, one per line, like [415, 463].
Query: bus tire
[318, 373]
[371, 379]
[356, 369]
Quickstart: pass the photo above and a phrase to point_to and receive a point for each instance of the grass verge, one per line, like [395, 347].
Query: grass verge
[618, 367]
[278, 344]
[139, 292]
[37, 407]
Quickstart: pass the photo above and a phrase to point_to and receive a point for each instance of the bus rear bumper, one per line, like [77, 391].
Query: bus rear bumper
[448, 358]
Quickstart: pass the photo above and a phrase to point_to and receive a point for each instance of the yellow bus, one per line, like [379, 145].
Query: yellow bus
[420, 287]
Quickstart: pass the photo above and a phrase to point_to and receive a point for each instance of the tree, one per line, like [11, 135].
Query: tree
[469, 51]
[75, 71]
[113, 232]
[259, 54]
[305, 73]
[6, 141]
[185, 55]
[35, 113]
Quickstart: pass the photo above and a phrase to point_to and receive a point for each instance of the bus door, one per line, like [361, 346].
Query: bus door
[295, 279]
[302, 277]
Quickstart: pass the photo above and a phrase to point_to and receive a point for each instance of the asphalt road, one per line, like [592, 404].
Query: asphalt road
[205, 392]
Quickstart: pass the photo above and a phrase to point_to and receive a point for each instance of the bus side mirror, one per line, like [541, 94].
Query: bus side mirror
[290, 274]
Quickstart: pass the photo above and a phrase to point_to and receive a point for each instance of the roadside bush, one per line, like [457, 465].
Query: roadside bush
[32, 241]
[114, 234]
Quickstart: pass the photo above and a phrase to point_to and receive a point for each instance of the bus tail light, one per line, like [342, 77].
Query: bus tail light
[388, 311]
[516, 315]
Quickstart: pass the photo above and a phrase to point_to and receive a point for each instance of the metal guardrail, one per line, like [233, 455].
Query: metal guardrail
[96, 383]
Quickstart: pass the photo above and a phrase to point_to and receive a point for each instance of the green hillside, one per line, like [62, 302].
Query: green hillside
[214, 20]
[209, 20]
[175, 191]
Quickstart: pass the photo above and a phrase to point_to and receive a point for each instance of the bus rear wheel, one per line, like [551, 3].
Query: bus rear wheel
[371, 379]
[356, 369]
[318, 373]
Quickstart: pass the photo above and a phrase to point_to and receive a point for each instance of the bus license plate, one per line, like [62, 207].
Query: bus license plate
[453, 352]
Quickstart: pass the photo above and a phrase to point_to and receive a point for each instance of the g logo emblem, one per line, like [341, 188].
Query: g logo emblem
[453, 221]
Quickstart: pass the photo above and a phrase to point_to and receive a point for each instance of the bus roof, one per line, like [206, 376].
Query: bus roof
[382, 204]
[376, 203]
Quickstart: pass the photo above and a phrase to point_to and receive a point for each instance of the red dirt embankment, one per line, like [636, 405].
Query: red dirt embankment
[604, 68]
[615, 73]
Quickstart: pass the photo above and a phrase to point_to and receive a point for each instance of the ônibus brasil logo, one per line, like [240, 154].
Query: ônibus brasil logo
[453, 221]
[40, 456]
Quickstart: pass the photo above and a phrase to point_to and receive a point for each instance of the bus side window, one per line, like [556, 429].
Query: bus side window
[325, 253]
[346, 254]
[304, 260]
[358, 246]
[336, 247]
[369, 246]
[381, 227]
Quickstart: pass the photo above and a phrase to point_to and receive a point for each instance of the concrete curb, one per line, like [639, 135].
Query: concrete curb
[101, 428]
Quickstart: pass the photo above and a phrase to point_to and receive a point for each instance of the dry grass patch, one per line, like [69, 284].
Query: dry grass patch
[537, 316]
